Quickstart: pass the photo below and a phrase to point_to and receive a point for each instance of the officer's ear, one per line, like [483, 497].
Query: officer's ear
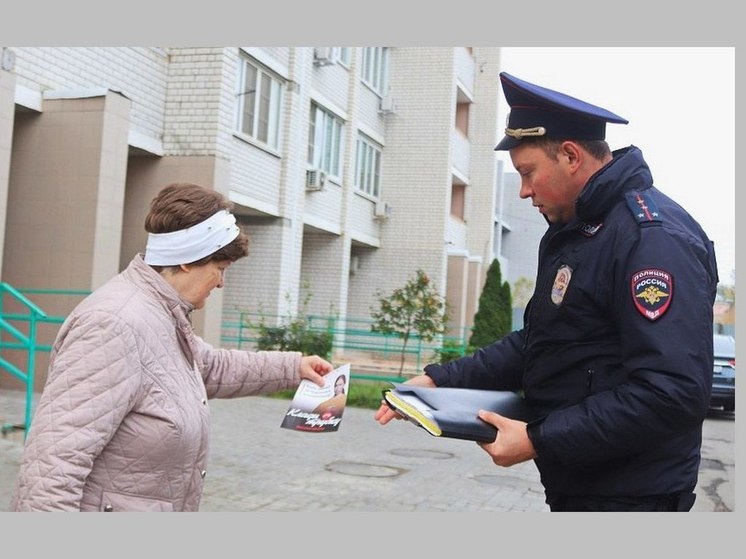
[571, 155]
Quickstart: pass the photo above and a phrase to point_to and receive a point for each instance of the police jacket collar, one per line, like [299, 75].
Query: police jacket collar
[626, 171]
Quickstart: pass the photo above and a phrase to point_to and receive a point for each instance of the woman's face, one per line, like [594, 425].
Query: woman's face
[195, 283]
[339, 386]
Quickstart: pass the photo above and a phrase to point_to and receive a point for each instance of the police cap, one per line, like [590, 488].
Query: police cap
[538, 111]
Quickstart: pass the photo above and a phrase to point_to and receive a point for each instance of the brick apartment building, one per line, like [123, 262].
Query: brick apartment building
[350, 168]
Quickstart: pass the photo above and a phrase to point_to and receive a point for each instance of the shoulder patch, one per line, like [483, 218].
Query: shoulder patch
[643, 207]
[652, 291]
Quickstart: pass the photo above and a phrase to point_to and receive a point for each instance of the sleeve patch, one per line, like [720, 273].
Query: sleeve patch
[652, 291]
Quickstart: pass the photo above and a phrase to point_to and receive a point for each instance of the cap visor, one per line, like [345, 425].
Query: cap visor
[507, 143]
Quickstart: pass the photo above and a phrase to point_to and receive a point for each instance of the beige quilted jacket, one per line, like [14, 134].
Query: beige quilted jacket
[123, 421]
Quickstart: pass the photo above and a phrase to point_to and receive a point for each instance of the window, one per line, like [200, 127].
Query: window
[368, 167]
[462, 118]
[324, 141]
[325, 56]
[375, 68]
[259, 99]
[458, 200]
[344, 55]
[463, 106]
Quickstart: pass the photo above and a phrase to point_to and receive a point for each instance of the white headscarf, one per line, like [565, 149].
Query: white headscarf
[191, 244]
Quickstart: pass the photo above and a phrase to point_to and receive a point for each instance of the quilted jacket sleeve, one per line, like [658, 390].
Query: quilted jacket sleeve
[93, 380]
[230, 373]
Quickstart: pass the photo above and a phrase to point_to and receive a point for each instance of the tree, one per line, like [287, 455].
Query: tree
[494, 317]
[523, 288]
[416, 308]
[725, 309]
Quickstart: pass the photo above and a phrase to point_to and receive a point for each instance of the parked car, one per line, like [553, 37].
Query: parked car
[724, 373]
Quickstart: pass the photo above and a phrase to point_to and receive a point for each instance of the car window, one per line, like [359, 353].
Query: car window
[725, 346]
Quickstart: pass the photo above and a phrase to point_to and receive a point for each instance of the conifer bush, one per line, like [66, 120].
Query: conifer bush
[494, 317]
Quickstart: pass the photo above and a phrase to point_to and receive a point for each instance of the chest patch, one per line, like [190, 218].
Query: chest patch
[589, 229]
[652, 291]
[561, 282]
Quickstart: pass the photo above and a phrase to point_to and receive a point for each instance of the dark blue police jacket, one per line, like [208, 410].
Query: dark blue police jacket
[616, 353]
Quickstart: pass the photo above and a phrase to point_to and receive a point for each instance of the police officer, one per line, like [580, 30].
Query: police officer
[616, 353]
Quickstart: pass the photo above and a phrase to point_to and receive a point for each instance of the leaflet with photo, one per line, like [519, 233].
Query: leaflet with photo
[318, 409]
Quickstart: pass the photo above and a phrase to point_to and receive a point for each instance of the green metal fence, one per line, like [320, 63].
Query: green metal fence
[20, 318]
[348, 334]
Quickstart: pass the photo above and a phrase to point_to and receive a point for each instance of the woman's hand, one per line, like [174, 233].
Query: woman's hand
[313, 368]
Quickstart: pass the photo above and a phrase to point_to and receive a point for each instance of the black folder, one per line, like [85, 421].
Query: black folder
[452, 412]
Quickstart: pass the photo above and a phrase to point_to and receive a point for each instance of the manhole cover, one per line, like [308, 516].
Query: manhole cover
[362, 469]
[422, 453]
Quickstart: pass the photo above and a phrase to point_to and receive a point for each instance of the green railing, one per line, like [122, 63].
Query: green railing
[350, 333]
[23, 341]
[13, 338]
[241, 329]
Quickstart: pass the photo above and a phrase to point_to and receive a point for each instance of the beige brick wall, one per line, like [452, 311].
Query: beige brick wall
[181, 102]
[195, 93]
[139, 73]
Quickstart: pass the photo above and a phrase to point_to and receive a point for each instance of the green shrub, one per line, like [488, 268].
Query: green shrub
[494, 317]
[452, 349]
[295, 336]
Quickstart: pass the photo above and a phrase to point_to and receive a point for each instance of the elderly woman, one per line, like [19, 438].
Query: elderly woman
[123, 421]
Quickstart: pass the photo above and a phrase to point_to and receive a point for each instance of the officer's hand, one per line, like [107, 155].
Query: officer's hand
[512, 445]
[384, 414]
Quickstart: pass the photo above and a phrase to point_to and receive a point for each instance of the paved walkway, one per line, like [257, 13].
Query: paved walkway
[257, 466]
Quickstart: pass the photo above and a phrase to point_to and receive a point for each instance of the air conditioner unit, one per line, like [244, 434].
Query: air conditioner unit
[387, 105]
[382, 210]
[324, 56]
[315, 179]
[8, 59]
